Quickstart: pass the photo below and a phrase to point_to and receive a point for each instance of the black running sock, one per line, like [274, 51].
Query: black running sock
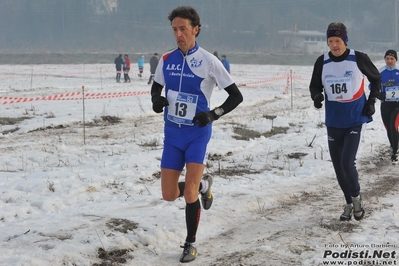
[193, 213]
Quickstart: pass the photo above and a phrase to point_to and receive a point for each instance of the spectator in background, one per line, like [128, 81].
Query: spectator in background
[338, 77]
[215, 53]
[141, 66]
[390, 100]
[126, 68]
[118, 65]
[153, 66]
[226, 63]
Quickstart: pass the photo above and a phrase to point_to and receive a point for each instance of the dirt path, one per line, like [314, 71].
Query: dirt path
[295, 225]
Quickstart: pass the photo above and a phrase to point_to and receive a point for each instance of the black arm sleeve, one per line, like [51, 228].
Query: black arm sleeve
[316, 84]
[156, 90]
[234, 99]
[371, 72]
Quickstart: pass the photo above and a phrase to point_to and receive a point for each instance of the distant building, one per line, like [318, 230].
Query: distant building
[305, 41]
[104, 6]
[112, 6]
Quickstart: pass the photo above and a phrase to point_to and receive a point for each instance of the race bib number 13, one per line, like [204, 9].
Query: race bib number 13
[182, 107]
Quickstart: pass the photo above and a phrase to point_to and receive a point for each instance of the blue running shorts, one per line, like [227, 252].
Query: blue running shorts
[185, 145]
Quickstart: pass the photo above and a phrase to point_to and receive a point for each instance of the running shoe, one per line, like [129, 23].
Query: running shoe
[347, 214]
[207, 197]
[189, 253]
[394, 158]
[358, 208]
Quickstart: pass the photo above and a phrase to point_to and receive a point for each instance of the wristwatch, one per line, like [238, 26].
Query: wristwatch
[219, 111]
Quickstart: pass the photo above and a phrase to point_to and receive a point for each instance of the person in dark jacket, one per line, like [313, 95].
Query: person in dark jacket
[153, 66]
[119, 62]
[215, 53]
[338, 78]
[390, 100]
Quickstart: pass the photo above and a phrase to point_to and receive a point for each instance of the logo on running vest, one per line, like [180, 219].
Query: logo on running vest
[173, 67]
[348, 73]
[178, 74]
[195, 63]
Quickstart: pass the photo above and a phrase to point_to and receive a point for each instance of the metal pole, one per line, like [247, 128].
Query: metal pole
[31, 78]
[395, 28]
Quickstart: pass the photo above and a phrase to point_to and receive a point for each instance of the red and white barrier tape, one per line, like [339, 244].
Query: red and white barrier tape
[102, 95]
[71, 96]
[262, 81]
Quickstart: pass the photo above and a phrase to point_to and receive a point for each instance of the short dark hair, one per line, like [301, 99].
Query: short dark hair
[189, 13]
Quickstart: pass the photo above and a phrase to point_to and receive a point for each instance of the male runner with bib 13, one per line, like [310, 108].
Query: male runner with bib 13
[189, 74]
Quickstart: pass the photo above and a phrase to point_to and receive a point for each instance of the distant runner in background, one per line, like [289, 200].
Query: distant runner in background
[126, 68]
[390, 100]
[141, 66]
[153, 66]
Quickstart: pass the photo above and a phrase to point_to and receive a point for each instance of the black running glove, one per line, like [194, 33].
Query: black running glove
[158, 103]
[382, 96]
[369, 108]
[317, 99]
[205, 118]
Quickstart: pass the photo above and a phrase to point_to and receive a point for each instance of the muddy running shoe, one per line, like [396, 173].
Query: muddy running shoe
[207, 197]
[189, 253]
[347, 214]
[394, 159]
[358, 208]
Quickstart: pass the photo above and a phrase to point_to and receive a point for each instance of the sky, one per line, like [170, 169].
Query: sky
[77, 187]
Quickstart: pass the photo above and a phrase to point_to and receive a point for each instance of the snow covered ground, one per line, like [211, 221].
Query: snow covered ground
[75, 193]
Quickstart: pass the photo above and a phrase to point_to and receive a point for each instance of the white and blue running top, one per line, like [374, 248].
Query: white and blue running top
[189, 81]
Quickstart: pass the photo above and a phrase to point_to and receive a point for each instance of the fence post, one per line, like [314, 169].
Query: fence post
[292, 96]
[84, 122]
